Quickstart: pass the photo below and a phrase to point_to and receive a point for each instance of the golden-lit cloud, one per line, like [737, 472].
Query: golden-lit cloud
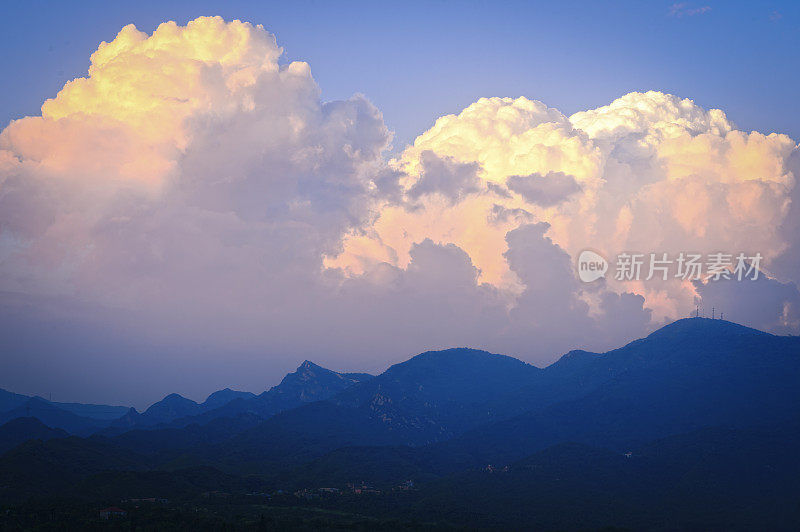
[136, 113]
[179, 142]
[649, 173]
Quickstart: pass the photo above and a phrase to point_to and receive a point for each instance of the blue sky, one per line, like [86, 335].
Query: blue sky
[420, 60]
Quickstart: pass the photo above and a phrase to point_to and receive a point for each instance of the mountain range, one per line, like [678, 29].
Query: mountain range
[308, 383]
[693, 427]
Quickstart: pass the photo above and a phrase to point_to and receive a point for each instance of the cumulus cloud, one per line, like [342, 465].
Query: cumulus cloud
[765, 303]
[545, 190]
[648, 173]
[192, 200]
[183, 151]
[451, 179]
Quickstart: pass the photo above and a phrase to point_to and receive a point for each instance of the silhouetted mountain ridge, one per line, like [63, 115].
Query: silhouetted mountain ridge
[695, 373]
[223, 397]
[309, 382]
[690, 374]
[438, 394]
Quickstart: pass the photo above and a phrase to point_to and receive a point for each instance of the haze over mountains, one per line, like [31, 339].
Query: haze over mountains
[695, 407]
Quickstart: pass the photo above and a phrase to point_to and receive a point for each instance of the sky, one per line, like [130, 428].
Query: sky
[206, 203]
[737, 56]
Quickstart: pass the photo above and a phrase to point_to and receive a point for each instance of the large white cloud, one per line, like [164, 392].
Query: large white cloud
[184, 153]
[193, 194]
[648, 173]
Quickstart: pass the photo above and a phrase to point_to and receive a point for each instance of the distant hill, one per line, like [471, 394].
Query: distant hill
[101, 412]
[688, 375]
[22, 429]
[53, 416]
[691, 374]
[223, 397]
[171, 407]
[438, 394]
[429, 398]
[308, 383]
[10, 401]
